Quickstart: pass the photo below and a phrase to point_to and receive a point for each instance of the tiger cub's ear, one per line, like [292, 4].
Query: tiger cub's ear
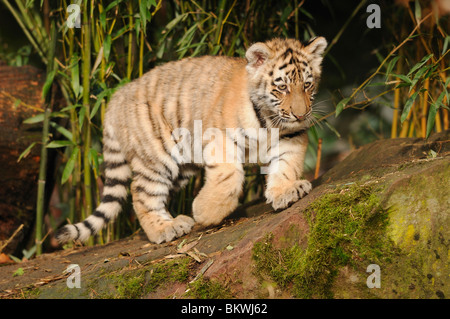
[315, 48]
[257, 54]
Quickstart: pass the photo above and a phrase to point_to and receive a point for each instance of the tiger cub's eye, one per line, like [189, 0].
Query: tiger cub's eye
[282, 87]
[307, 85]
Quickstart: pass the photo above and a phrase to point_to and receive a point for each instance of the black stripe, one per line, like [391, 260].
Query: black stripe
[291, 135]
[113, 165]
[261, 120]
[226, 178]
[278, 79]
[101, 215]
[151, 208]
[111, 182]
[167, 169]
[108, 149]
[153, 180]
[283, 66]
[78, 232]
[112, 198]
[150, 194]
[285, 54]
[89, 226]
[279, 156]
[177, 111]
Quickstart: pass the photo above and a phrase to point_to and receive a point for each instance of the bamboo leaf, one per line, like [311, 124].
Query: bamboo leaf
[421, 74]
[75, 75]
[332, 129]
[144, 14]
[107, 46]
[113, 5]
[35, 119]
[26, 152]
[402, 77]
[174, 22]
[417, 11]
[62, 130]
[445, 46]
[391, 66]
[431, 118]
[419, 64]
[314, 136]
[81, 116]
[57, 144]
[97, 104]
[341, 105]
[409, 103]
[93, 158]
[48, 83]
[68, 169]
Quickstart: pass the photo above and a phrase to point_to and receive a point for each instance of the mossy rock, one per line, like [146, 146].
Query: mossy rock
[385, 206]
[397, 220]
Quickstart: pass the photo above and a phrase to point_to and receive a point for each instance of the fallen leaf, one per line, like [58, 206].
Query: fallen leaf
[186, 248]
[194, 255]
[175, 256]
[4, 259]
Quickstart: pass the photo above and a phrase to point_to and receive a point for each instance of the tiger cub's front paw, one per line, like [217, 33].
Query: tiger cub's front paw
[282, 195]
[168, 230]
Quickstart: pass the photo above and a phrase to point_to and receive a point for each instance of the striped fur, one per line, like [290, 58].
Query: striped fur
[273, 87]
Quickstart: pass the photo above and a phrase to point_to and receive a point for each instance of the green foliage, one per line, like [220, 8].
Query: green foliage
[415, 69]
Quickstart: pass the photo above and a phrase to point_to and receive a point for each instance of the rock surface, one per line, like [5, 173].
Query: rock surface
[390, 199]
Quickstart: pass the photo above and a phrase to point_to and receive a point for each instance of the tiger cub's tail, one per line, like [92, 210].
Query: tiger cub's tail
[117, 176]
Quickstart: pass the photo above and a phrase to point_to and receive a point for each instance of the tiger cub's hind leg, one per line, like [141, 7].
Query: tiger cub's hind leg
[150, 190]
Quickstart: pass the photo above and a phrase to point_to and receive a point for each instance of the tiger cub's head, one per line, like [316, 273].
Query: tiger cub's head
[283, 78]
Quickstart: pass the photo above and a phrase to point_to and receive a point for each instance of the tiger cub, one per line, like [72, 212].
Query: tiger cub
[272, 87]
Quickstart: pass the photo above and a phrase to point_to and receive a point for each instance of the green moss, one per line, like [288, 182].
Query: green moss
[204, 288]
[137, 283]
[346, 227]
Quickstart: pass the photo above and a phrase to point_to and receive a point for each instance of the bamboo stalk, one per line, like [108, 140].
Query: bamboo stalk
[222, 5]
[40, 204]
[86, 67]
[130, 40]
[319, 156]
[445, 115]
[437, 122]
[423, 117]
[394, 128]
[141, 53]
